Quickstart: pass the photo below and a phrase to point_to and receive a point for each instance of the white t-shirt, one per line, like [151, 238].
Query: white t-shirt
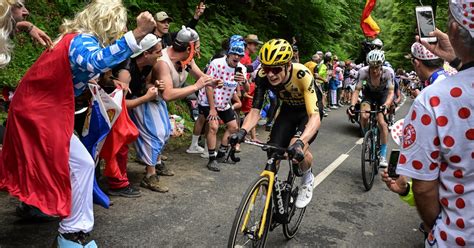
[438, 143]
[219, 69]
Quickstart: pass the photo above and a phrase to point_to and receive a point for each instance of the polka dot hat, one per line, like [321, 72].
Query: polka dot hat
[463, 12]
[420, 52]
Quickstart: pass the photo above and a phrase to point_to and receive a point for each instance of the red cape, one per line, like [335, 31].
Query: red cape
[35, 165]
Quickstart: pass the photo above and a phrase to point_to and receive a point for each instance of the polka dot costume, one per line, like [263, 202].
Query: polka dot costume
[420, 52]
[463, 12]
[222, 96]
[438, 143]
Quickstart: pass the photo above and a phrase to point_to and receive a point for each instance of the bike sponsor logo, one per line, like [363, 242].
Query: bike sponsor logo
[409, 136]
[281, 208]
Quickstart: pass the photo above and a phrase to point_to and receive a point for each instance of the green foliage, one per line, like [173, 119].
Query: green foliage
[397, 20]
[317, 24]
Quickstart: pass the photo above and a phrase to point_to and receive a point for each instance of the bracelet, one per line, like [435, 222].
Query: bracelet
[407, 191]
[455, 63]
[30, 28]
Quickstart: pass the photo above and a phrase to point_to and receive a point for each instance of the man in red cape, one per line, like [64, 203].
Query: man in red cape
[43, 163]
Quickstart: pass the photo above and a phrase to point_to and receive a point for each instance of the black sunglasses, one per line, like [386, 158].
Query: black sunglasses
[274, 70]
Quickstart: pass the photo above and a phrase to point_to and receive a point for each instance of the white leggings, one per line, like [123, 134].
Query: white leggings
[81, 170]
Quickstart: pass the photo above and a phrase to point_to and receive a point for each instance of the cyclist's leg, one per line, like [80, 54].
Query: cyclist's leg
[304, 165]
[364, 117]
[383, 126]
[283, 129]
[305, 193]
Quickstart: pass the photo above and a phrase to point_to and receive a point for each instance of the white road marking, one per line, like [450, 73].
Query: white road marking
[333, 166]
[328, 170]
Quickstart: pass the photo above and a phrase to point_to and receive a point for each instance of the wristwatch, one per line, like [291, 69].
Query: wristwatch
[455, 63]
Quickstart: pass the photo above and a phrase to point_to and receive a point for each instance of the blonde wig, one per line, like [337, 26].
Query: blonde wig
[6, 28]
[105, 19]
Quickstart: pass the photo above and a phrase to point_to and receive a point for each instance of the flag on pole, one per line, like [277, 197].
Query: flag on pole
[367, 23]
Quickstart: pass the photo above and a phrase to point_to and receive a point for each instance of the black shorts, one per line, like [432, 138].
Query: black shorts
[289, 123]
[379, 101]
[226, 116]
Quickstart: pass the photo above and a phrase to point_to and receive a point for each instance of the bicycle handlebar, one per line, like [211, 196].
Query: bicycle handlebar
[368, 111]
[267, 147]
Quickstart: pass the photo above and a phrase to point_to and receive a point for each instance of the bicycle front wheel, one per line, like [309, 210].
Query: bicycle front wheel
[368, 160]
[247, 222]
[295, 215]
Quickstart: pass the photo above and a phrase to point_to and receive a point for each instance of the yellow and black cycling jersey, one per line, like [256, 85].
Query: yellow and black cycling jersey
[299, 91]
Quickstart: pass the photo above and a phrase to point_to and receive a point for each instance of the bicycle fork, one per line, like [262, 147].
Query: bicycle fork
[271, 177]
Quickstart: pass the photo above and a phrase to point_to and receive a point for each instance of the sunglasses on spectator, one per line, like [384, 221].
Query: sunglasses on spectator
[274, 70]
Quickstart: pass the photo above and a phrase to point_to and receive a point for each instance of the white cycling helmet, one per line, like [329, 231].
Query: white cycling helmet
[377, 43]
[375, 57]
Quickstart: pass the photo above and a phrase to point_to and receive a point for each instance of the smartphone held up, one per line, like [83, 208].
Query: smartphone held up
[425, 23]
[392, 163]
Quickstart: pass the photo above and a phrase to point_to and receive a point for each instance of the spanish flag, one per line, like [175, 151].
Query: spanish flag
[368, 25]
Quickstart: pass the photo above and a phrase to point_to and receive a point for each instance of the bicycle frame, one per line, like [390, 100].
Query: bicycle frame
[270, 171]
[372, 123]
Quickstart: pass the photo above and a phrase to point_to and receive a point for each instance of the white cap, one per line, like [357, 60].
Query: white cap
[149, 41]
[463, 12]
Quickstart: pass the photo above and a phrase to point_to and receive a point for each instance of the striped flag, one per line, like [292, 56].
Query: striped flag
[368, 25]
[103, 112]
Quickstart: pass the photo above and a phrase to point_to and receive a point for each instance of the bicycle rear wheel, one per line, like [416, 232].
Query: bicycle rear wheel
[368, 162]
[295, 215]
[249, 216]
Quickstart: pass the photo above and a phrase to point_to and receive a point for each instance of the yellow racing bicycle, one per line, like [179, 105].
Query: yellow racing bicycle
[268, 203]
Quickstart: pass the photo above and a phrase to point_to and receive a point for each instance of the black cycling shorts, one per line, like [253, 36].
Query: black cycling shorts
[226, 116]
[290, 122]
[378, 98]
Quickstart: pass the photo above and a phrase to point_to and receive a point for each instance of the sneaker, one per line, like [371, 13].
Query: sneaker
[128, 192]
[325, 114]
[205, 154]
[327, 109]
[74, 240]
[153, 183]
[334, 107]
[195, 149]
[163, 170]
[212, 166]
[305, 193]
[339, 105]
[383, 162]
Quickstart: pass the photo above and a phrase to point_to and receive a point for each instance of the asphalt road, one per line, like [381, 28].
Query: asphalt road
[199, 209]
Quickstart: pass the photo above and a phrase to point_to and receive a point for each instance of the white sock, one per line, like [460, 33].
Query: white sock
[195, 140]
[307, 177]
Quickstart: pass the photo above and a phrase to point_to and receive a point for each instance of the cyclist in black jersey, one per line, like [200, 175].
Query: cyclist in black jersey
[299, 120]
[378, 90]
